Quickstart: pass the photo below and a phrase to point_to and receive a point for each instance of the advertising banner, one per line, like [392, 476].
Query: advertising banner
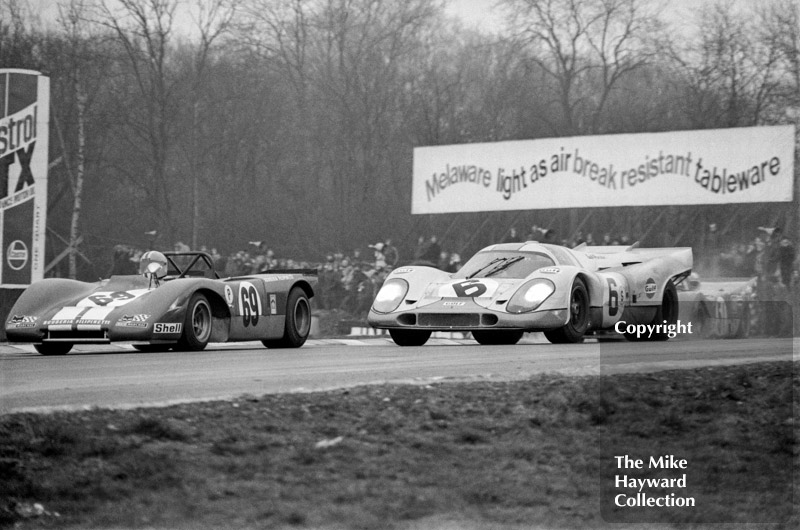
[24, 122]
[713, 166]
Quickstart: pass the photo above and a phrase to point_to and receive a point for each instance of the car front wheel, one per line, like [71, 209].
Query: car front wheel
[197, 325]
[578, 321]
[497, 337]
[409, 337]
[53, 348]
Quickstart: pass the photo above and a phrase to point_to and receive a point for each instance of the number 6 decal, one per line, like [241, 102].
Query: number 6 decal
[469, 288]
[250, 304]
[613, 297]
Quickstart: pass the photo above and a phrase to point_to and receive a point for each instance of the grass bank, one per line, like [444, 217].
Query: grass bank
[535, 453]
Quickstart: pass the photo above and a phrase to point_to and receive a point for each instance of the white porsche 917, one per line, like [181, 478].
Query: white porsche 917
[511, 288]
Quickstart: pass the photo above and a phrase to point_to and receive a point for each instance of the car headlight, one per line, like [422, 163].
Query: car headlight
[530, 296]
[390, 295]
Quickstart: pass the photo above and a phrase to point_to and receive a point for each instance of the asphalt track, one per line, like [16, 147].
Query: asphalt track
[117, 376]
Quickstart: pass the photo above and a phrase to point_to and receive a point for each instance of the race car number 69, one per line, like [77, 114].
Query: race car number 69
[250, 303]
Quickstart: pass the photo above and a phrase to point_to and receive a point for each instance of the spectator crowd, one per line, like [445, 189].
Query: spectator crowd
[348, 282]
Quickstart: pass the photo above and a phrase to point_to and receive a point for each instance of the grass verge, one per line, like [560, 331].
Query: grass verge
[535, 453]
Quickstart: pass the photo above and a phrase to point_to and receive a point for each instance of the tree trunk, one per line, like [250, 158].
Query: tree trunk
[80, 97]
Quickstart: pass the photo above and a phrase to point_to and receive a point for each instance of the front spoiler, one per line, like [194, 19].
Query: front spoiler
[467, 317]
[99, 335]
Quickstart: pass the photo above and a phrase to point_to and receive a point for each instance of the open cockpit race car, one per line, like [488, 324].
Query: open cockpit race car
[177, 301]
[511, 288]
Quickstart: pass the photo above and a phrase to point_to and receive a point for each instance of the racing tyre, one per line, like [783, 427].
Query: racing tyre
[667, 311]
[409, 337]
[497, 337]
[578, 323]
[298, 322]
[53, 348]
[197, 325]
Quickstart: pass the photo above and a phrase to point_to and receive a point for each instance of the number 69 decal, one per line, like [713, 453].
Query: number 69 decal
[250, 303]
[111, 298]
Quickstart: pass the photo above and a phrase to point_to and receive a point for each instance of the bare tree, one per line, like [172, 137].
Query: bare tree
[780, 23]
[143, 30]
[732, 77]
[585, 47]
[213, 21]
[71, 19]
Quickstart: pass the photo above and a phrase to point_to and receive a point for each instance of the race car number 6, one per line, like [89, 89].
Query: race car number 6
[613, 298]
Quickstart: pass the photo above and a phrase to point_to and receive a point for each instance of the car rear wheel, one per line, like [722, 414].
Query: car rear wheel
[666, 315]
[578, 321]
[53, 348]
[497, 337]
[197, 325]
[409, 337]
[298, 322]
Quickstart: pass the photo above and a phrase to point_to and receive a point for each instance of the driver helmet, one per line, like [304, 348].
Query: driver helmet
[154, 262]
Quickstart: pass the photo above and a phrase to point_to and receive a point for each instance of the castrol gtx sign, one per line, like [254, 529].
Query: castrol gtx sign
[24, 112]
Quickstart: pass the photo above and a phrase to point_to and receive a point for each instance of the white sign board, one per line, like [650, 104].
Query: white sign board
[24, 122]
[713, 166]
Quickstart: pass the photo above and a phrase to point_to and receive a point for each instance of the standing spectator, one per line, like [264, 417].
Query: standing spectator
[380, 257]
[455, 263]
[259, 262]
[511, 236]
[433, 251]
[422, 247]
[786, 254]
[218, 260]
[354, 285]
[749, 261]
[123, 260]
[391, 253]
[180, 246]
[443, 263]
[330, 288]
[533, 235]
[770, 260]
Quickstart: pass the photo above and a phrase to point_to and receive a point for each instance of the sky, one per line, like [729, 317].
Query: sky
[479, 14]
[484, 14]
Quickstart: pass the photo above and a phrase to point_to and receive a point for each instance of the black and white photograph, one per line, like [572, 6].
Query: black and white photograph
[399, 264]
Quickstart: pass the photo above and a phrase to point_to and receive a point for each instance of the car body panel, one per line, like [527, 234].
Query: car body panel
[623, 282]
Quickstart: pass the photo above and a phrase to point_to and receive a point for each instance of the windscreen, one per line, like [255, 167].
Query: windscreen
[504, 264]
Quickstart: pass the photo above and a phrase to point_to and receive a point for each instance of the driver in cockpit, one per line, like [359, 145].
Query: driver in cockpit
[153, 265]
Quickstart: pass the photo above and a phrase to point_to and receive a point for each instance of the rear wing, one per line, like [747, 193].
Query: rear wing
[716, 286]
